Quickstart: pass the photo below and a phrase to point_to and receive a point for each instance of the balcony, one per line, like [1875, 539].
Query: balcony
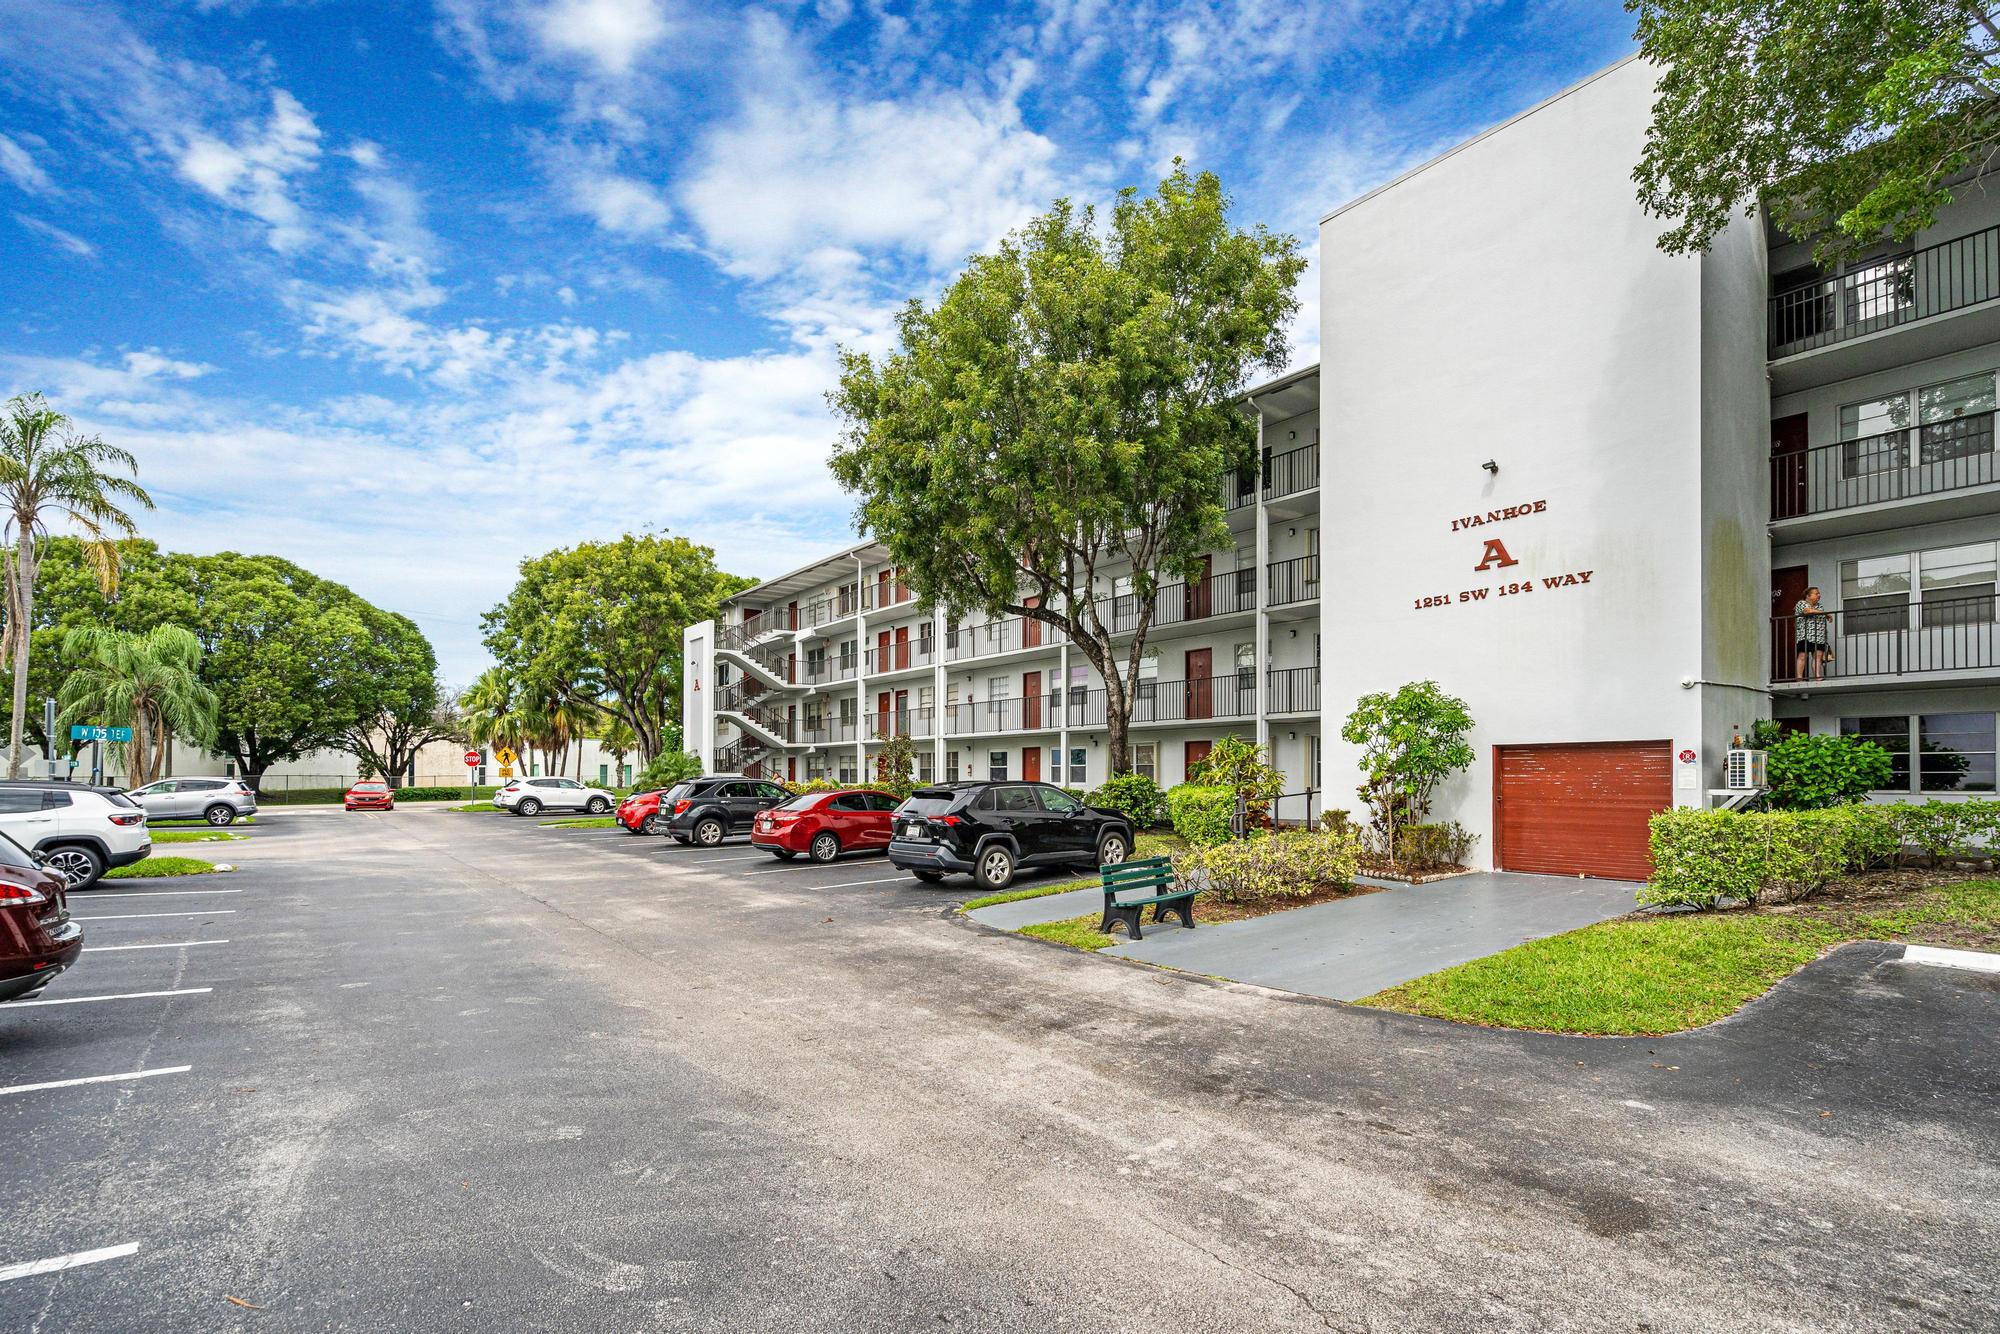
[1853, 485]
[915, 723]
[1821, 332]
[902, 656]
[1292, 690]
[1291, 472]
[1940, 641]
[1009, 636]
[1294, 581]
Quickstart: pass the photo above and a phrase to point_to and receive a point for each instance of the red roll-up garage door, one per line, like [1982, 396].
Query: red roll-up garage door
[1579, 809]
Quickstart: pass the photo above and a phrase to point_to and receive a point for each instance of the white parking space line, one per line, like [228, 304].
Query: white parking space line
[57, 1263]
[97, 1079]
[735, 857]
[152, 893]
[169, 945]
[1977, 961]
[130, 916]
[123, 995]
[849, 884]
[790, 866]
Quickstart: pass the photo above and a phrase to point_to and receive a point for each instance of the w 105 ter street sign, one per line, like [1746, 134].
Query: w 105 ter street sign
[85, 732]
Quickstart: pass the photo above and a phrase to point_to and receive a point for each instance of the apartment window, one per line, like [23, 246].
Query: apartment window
[1079, 685]
[1146, 760]
[1957, 584]
[848, 710]
[999, 692]
[1953, 421]
[815, 767]
[1055, 765]
[1149, 675]
[848, 772]
[1078, 764]
[1875, 594]
[1246, 575]
[951, 766]
[1955, 752]
[816, 664]
[924, 631]
[923, 766]
[996, 765]
[1891, 733]
[926, 697]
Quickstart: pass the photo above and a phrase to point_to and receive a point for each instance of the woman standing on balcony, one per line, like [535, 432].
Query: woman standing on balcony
[1810, 628]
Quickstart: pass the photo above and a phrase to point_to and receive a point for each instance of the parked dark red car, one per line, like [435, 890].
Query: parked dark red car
[37, 938]
[822, 825]
[640, 812]
[370, 794]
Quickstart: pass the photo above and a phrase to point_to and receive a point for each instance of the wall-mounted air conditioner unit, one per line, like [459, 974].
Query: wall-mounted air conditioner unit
[1743, 771]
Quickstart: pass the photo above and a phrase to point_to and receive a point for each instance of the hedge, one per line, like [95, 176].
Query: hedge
[1134, 796]
[1201, 815]
[1291, 863]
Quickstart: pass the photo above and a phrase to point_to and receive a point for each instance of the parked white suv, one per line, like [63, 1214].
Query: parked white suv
[528, 796]
[77, 830]
[220, 801]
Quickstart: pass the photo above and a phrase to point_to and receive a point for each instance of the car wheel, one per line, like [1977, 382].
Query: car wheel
[783, 854]
[220, 814]
[996, 867]
[825, 846]
[928, 877]
[529, 807]
[708, 832]
[1112, 849]
[79, 865]
[597, 806]
[649, 825]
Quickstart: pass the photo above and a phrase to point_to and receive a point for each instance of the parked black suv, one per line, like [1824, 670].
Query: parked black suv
[708, 810]
[989, 829]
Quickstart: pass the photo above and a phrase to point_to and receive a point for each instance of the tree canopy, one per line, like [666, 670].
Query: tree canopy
[596, 628]
[1849, 119]
[1067, 414]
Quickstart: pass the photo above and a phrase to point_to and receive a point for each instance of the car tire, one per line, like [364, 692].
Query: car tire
[929, 877]
[1112, 849]
[220, 815]
[649, 825]
[682, 839]
[529, 807]
[783, 854]
[995, 869]
[78, 863]
[709, 832]
[597, 806]
[825, 846]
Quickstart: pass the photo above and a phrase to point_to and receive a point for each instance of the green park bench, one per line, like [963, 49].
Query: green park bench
[1152, 877]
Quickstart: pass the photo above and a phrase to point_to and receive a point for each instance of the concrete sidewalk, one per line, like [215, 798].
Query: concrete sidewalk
[1355, 947]
[1048, 908]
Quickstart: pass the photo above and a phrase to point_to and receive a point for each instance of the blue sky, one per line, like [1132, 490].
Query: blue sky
[408, 291]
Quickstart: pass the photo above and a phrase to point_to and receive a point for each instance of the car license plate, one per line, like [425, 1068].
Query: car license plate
[911, 830]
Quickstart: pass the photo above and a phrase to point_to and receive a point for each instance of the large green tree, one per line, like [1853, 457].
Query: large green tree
[1849, 119]
[149, 682]
[1068, 412]
[597, 628]
[51, 471]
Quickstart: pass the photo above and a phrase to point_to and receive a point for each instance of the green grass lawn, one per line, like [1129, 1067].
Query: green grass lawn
[196, 822]
[476, 807]
[196, 836]
[1663, 974]
[154, 867]
[1079, 933]
[587, 822]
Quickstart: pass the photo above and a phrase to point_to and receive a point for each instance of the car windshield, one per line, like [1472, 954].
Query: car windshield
[803, 802]
[120, 799]
[371, 787]
[928, 803]
[677, 792]
[13, 855]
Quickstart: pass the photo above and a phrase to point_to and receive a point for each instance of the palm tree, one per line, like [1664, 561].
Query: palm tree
[491, 711]
[148, 682]
[49, 470]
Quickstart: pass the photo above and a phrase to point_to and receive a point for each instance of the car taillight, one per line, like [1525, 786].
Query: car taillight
[135, 817]
[20, 896]
[680, 807]
[947, 819]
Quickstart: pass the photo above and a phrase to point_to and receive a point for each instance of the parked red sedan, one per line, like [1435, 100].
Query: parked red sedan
[640, 812]
[37, 938]
[370, 794]
[825, 824]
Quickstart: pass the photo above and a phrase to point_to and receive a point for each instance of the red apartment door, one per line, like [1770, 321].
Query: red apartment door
[902, 647]
[1788, 467]
[792, 668]
[792, 616]
[1788, 586]
[1197, 751]
[882, 651]
[882, 702]
[1031, 699]
[1031, 629]
[1200, 701]
[882, 589]
[1031, 764]
[1198, 602]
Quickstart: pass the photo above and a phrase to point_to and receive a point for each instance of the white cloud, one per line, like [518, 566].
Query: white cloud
[20, 167]
[254, 173]
[612, 34]
[69, 241]
[622, 204]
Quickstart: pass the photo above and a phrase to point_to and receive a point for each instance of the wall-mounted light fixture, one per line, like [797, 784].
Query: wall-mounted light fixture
[1491, 466]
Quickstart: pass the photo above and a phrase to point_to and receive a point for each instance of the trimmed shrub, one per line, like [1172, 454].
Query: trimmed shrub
[1338, 821]
[1421, 846]
[1292, 863]
[1811, 770]
[1947, 829]
[1702, 858]
[812, 785]
[1201, 814]
[1134, 796]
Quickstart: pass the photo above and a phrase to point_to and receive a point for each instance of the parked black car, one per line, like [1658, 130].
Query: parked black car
[708, 810]
[989, 829]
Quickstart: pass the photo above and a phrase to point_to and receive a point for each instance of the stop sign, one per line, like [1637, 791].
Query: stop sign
[472, 759]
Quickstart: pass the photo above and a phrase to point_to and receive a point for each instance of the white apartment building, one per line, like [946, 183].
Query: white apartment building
[1578, 482]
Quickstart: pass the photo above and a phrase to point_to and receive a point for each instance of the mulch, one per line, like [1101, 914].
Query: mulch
[1210, 909]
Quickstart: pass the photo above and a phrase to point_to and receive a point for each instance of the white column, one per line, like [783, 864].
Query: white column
[860, 673]
[1261, 662]
[1062, 705]
[937, 695]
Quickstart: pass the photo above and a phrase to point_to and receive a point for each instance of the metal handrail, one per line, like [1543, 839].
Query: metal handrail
[1893, 639]
[1294, 580]
[1948, 455]
[1290, 472]
[1933, 280]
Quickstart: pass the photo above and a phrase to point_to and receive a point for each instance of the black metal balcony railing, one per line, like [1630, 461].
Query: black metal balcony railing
[916, 723]
[1891, 639]
[900, 657]
[1934, 280]
[1240, 490]
[1197, 700]
[1292, 690]
[826, 731]
[1177, 604]
[1293, 471]
[1948, 455]
[1021, 632]
[1295, 580]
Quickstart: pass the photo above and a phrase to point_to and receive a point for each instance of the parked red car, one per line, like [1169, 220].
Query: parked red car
[823, 825]
[370, 794]
[640, 812]
[37, 938]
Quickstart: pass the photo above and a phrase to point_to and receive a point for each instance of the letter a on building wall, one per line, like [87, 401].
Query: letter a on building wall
[1495, 554]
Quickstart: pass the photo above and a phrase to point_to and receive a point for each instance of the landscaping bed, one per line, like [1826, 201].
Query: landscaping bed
[157, 867]
[1656, 973]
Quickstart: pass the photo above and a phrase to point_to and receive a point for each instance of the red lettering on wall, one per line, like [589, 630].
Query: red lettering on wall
[1495, 554]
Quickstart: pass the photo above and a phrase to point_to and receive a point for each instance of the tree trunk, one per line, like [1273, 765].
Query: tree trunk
[22, 610]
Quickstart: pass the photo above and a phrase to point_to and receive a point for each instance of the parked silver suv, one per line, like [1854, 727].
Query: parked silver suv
[79, 831]
[220, 801]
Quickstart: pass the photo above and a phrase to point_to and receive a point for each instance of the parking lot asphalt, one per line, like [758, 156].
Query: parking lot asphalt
[434, 1071]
